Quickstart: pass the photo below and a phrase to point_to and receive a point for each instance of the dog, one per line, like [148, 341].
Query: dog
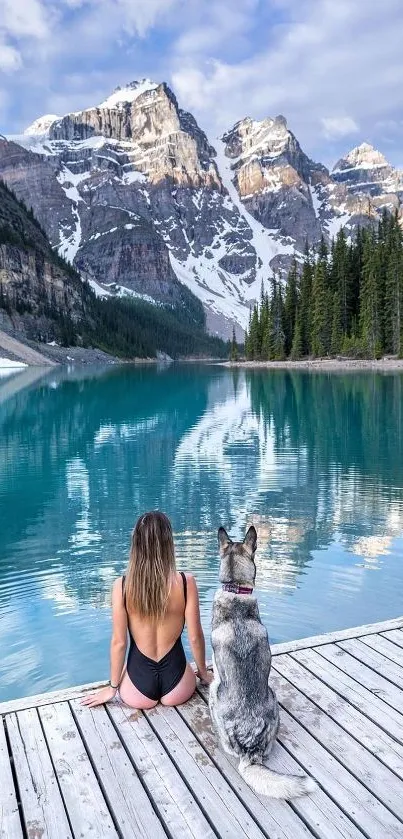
[243, 706]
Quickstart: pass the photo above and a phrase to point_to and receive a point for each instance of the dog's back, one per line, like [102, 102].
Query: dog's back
[243, 707]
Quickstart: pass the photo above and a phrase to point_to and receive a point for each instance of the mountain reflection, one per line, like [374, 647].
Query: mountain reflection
[314, 460]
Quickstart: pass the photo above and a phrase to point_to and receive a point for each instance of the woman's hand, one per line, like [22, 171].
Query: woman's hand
[104, 695]
[205, 676]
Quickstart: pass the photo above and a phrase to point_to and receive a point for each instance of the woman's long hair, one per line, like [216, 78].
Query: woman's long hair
[151, 566]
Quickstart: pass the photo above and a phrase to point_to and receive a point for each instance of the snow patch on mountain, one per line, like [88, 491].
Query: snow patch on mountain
[41, 125]
[264, 241]
[129, 93]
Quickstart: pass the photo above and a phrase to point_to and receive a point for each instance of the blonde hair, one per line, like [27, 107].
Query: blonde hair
[151, 566]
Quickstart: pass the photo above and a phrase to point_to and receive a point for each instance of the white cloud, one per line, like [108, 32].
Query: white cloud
[336, 127]
[10, 58]
[346, 55]
[24, 18]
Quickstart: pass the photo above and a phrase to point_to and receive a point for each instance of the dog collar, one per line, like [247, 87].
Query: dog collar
[236, 589]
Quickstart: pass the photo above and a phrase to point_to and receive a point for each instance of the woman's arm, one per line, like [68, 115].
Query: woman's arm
[195, 631]
[117, 648]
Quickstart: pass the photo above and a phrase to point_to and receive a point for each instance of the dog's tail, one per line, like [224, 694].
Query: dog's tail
[266, 782]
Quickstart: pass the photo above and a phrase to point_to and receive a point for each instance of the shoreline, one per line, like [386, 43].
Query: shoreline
[322, 364]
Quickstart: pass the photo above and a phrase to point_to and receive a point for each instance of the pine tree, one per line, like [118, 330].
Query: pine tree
[305, 306]
[234, 347]
[336, 340]
[342, 279]
[254, 334]
[370, 304]
[393, 287]
[320, 336]
[277, 319]
[290, 306]
[297, 342]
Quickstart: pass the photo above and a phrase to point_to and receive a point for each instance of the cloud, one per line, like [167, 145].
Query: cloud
[346, 55]
[24, 18]
[334, 69]
[10, 58]
[336, 127]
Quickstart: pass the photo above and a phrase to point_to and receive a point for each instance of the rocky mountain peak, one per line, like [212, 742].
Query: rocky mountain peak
[364, 156]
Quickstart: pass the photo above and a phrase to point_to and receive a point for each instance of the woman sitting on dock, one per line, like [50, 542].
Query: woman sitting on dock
[152, 603]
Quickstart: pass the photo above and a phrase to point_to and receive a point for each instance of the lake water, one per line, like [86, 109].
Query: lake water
[315, 461]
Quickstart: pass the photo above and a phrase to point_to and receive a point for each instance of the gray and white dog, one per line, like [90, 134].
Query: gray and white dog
[243, 706]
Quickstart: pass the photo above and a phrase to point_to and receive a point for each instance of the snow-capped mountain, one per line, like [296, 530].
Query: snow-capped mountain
[134, 193]
[366, 172]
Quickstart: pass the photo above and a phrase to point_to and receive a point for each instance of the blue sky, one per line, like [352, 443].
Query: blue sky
[334, 68]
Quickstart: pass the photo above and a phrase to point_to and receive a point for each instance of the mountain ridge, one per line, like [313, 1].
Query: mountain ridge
[140, 199]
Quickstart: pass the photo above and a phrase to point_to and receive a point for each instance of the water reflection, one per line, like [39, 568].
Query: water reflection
[314, 460]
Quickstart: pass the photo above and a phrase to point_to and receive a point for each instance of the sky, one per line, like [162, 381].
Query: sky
[333, 68]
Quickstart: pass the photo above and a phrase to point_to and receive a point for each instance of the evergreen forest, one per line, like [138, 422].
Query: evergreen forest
[346, 301]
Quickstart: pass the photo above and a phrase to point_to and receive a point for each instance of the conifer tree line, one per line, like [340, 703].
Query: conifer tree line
[347, 300]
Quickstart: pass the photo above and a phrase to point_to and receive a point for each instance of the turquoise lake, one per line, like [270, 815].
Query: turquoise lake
[315, 461]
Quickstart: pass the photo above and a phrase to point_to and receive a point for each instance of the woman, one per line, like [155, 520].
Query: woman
[152, 602]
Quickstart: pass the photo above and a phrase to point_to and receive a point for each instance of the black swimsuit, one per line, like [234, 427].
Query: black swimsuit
[156, 678]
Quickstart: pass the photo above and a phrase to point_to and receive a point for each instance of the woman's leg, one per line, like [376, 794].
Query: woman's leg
[183, 690]
[133, 697]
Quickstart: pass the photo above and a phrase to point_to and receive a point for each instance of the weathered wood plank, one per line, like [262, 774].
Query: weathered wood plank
[350, 754]
[364, 675]
[375, 660]
[42, 804]
[51, 698]
[10, 825]
[339, 635]
[363, 808]
[120, 783]
[395, 635]
[317, 810]
[356, 695]
[385, 647]
[87, 809]
[209, 787]
[380, 744]
[176, 806]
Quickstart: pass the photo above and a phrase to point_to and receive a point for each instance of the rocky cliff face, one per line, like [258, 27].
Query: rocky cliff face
[366, 173]
[134, 194]
[283, 189]
[34, 284]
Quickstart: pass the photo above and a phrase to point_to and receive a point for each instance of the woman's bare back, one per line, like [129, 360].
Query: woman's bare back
[154, 639]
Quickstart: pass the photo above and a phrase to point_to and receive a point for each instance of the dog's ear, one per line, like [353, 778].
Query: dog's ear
[223, 538]
[251, 539]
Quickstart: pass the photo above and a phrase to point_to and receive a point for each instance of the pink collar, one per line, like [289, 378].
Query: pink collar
[234, 588]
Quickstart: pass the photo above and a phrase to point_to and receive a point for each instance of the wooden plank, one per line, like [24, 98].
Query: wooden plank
[361, 763]
[369, 814]
[88, 812]
[120, 783]
[380, 744]
[176, 806]
[395, 635]
[365, 676]
[10, 825]
[42, 804]
[208, 785]
[278, 818]
[377, 661]
[339, 635]
[385, 647]
[65, 694]
[358, 696]
[50, 698]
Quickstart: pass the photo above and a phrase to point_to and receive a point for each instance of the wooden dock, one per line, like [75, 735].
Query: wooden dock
[67, 771]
